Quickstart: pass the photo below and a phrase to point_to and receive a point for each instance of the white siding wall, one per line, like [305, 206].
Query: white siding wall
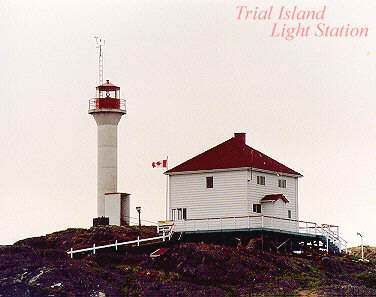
[278, 209]
[257, 192]
[233, 195]
[228, 197]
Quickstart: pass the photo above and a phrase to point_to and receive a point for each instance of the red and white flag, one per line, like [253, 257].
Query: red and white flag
[162, 163]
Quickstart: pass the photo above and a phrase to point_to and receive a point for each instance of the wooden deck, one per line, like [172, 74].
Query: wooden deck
[326, 235]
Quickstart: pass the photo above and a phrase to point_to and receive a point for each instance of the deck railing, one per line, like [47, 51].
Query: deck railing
[226, 223]
[263, 222]
[258, 221]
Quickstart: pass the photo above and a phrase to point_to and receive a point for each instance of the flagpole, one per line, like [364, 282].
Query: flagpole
[167, 189]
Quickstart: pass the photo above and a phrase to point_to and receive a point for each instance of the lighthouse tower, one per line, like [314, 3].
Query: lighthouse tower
[107, 109]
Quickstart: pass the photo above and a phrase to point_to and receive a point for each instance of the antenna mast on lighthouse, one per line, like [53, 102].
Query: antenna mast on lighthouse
[100, 44]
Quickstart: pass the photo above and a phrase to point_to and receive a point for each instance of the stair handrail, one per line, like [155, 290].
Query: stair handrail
[336, 235]
[333, 234]
[335, 238]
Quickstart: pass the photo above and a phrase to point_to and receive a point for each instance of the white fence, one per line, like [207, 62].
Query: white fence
[138, 241]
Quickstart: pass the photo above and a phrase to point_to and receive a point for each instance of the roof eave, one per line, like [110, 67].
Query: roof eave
[232, 169]
[205, 171]
[275, 172]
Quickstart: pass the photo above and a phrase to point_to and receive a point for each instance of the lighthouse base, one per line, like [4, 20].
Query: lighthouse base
[101, 221]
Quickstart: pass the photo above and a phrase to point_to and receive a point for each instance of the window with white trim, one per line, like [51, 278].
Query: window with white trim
[178, 214]
[282, 183]
[209, 182]
[289, 214]
[257, 208]
[261, 180]
[173, 213]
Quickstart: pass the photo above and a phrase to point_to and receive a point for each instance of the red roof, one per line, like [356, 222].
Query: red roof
[107, 86]
[275, 197]
[233, 153]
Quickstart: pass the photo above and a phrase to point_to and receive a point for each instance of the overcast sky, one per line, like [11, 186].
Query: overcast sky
[192, 75]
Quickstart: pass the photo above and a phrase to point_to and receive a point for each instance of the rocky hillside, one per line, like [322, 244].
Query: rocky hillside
[40, 267]
[369, 252]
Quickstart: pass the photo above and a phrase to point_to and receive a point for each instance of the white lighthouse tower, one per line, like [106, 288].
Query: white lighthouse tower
[107, 109]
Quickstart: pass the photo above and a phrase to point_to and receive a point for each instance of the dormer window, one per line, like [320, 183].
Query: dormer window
[261, 180]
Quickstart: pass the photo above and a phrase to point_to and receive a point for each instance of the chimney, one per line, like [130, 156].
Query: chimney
[240, 137]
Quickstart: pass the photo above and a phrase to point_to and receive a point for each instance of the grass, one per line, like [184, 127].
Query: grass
[367, 276]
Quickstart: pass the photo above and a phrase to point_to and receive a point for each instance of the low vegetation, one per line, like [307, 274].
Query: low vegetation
[369, 252]
[40, 267]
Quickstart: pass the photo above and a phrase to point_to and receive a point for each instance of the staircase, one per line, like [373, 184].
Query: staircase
[334, 243]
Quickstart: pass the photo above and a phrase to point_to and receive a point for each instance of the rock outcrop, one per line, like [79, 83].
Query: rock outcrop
[40, 267]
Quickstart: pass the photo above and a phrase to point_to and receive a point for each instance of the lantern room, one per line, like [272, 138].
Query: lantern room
[108, 98]
[108, 90]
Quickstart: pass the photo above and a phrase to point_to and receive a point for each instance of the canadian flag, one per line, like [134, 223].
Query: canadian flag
[162, 163]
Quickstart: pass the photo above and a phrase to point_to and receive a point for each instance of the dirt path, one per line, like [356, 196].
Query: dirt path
[308, 293]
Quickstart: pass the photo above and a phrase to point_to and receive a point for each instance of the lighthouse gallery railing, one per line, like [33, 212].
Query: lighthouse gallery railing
[107, 103]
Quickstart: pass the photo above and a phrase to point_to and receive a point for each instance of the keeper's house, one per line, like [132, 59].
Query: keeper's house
[233, 186]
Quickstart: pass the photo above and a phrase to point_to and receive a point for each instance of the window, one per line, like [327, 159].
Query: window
[209, 182]
[282, 183]
[289, 214]
[257, 208]
[261, 180]
[173, 213]
[178, 214]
